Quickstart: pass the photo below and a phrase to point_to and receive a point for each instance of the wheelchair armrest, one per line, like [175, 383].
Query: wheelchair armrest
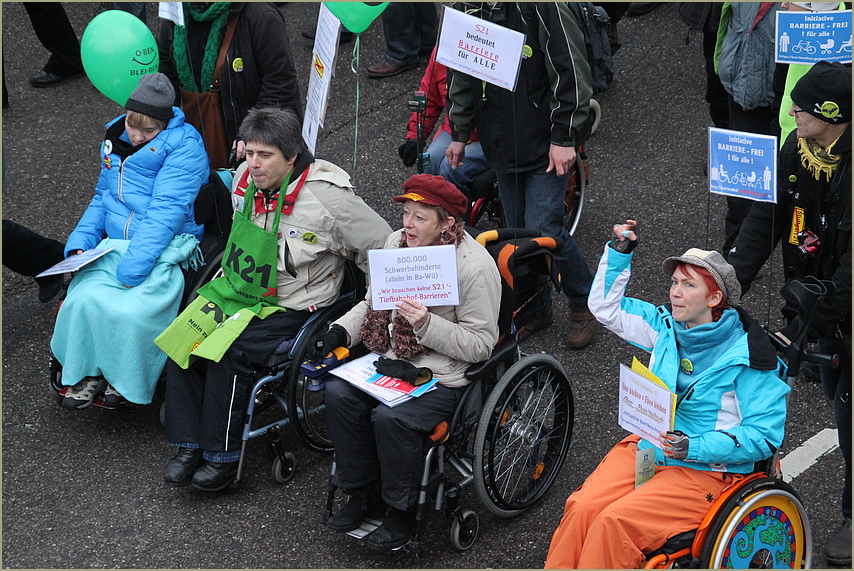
[504, 352]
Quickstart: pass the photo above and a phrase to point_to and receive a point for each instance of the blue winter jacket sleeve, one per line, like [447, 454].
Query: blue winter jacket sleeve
[631, 319]
[175, 188]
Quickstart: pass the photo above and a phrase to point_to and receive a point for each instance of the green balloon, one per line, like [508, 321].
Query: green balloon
[117, 49]
[356, 16]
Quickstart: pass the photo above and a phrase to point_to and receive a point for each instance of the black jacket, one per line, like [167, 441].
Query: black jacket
[826, 210]
[551, 103]
[267, 77]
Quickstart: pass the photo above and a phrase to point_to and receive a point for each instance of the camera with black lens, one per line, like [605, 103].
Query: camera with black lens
[810, 244]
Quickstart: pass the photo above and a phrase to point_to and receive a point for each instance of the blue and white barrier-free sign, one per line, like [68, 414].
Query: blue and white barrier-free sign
[743, 165]
[808, 37]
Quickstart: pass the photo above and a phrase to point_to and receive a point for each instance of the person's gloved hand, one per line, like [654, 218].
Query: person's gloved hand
[408, 152]
[627, 239]
[321, 344]
[674, 444]
[403, 370]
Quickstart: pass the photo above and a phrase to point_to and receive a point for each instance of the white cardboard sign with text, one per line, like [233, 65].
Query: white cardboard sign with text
[480, 48]
[427, 274]
[646, 408]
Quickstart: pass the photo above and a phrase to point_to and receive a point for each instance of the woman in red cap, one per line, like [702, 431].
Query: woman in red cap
[379, 449]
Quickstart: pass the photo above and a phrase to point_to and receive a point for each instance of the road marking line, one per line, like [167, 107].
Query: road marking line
[798, 460]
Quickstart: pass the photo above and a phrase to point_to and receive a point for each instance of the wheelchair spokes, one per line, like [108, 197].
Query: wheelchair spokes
[520, 449]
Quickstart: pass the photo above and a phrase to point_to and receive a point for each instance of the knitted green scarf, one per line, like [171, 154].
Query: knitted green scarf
[216, 13]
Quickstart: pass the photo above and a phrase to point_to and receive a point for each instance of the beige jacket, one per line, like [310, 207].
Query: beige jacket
[328, 225]
[458, 335]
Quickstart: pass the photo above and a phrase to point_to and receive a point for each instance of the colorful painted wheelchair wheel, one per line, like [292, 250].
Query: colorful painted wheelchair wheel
[523, 435]
[764, 526]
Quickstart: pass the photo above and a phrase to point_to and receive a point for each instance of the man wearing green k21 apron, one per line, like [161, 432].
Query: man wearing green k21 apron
[284, 259]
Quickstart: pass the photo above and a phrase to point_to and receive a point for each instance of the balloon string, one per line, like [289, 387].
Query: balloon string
[354, 64]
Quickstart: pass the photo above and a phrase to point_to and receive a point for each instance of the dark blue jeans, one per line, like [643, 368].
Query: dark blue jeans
[410, 29]
[836, 384]
[534, 200]
[206, 403]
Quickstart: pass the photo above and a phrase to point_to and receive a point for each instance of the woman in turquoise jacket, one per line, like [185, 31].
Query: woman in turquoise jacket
[152, 167]
[730, 409]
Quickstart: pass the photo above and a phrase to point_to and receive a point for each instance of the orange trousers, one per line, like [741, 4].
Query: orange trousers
[609, 524]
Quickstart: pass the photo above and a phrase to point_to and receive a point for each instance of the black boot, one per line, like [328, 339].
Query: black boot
[395, 531]
[354, 512]
[838, 551]
[214, 476]
[180, 469]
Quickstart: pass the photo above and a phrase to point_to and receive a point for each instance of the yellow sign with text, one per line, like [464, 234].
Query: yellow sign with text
[797, 225]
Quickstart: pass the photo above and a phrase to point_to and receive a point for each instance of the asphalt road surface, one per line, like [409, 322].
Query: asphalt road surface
[84, 488]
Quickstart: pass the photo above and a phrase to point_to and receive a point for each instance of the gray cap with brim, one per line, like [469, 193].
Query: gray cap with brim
[715, 263]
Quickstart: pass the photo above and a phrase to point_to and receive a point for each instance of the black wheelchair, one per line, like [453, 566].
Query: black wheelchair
[760, 523]
[213, 211]
[511, 432]
[299, 398]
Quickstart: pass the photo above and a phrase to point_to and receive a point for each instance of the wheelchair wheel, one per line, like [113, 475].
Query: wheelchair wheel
[523, 435]
[763, 526]
[464, 530]
[283, 468]
[596, 111]
[55, 377]
[306, 406]
[576, 189]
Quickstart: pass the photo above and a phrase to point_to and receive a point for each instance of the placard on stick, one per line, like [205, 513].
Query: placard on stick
[646, 408]
[743, 164]
[480, 48]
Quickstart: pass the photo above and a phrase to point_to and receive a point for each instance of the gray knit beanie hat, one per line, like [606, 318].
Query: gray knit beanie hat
[153, 96]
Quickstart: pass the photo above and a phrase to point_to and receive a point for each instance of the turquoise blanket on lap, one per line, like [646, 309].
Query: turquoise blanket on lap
[104, 328]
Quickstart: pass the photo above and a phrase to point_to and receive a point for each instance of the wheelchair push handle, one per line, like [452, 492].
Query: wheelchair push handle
[806, 295]
[319, 369]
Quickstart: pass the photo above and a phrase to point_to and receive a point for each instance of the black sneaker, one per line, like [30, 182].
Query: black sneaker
[83, 393]
[112, 398]
[49, 287]
[354, 512]
[394, 532]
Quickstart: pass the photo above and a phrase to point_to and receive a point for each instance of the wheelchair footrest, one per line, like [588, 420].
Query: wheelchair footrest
[367, 527]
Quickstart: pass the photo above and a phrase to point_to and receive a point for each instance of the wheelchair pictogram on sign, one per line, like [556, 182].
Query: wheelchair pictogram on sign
[743, 164]
[808, 37]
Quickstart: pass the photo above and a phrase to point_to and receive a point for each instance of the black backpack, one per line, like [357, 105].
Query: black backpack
[595, 23]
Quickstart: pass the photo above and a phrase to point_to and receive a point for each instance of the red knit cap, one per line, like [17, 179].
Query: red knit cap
[434, 190]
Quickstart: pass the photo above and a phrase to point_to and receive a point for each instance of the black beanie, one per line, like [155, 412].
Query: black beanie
[825, 92]
[153, 96]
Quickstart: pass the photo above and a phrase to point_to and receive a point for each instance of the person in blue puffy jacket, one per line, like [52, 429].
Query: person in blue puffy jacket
[152, 167]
